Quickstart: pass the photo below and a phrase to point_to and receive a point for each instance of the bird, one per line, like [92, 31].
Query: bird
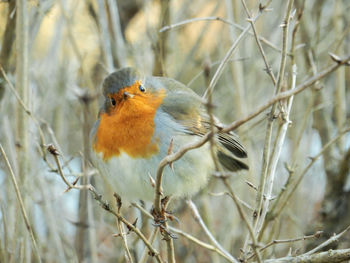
[144, 118]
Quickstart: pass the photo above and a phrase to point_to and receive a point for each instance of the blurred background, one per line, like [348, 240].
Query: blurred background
[56, 59]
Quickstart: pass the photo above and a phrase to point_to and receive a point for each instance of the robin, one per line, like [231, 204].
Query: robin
[141, 120]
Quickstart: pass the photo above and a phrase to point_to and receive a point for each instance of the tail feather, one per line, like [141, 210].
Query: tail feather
[231, 163]
[231, 142]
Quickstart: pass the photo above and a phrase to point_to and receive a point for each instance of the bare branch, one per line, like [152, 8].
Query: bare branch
[200, 221]
[283, 95]
[21, 204]
[334, 256]
[104, 204]
[220, 19]
[292, 240]
[329, 241]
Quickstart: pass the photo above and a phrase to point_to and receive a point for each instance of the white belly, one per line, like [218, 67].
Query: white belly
[129, 177]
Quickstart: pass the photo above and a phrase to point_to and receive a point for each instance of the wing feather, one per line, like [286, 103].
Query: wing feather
[186, 107]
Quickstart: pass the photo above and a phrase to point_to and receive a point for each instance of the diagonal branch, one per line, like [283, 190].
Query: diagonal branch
[283, 95]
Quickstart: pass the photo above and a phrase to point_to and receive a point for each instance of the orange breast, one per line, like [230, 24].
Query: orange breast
[129, 128]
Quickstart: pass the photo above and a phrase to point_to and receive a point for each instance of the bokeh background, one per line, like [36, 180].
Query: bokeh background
[72, 45]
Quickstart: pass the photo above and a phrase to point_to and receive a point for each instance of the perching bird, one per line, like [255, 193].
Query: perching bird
[141, 120]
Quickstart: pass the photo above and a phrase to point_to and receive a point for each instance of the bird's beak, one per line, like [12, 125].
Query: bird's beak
[127, 95]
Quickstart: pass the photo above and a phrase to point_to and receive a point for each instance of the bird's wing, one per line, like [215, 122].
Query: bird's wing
[186, 107]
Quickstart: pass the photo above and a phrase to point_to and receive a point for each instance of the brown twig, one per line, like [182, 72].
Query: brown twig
[282, 201]
[104, 204]
[227, 57]
[334, 256]
[275, 156]
[252, 23]
[29, 113]
[121, 230]
[207, 232]
[21, 204]
[201, 243]
[327, 242]
[188, 236]
[283, 241]
[220, 19]
[283, 95]
[269, 129]
[244, 218]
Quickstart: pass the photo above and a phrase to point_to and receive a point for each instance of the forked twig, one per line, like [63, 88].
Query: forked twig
[104, 205]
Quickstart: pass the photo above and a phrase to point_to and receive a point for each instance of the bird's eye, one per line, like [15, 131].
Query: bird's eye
[113, 102]
[142, 88]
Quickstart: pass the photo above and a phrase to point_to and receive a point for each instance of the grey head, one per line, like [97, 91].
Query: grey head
[119, 79]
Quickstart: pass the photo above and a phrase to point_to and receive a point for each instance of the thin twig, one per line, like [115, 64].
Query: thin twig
[104, 205]
[266, 153]
[186, 235]
[227, 57]
[268, 68]
[334, 256]
[280, 203]
[245, 204]
[200, 73]
[220, 19]
[283, 95]
[201, 243]
[145, 254]
[196, 19]
[313, 160]
[327, 242]
[207, 232]
[170, 246]
[129, 225]
[121, 230]
[53, 151]
[27, 111]
[283, 241]
[286, 94]
[244, 218]
[21, 204]
[276, 154]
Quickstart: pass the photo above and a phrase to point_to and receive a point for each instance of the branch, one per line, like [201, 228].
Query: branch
[283, 95]
[301, 176]
[220, 19]
[21, 204]
[28, 112]
[245, 219]
[289, 93]
[188, 236]
[329, 241]
[266, 164]
[283, 241]
[104, 204]
[201, 243]
[334, 256]
[268, 68]
[227, 57]
[275, 156]
[207, 232]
